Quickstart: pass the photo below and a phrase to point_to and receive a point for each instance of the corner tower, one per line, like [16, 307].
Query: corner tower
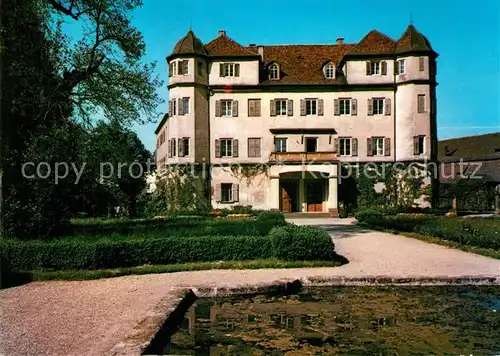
[415, 78]
[188, 124]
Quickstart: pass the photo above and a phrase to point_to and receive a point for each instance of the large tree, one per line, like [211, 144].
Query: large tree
[49, 83]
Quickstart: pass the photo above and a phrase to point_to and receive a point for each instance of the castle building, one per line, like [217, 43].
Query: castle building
[270, 126]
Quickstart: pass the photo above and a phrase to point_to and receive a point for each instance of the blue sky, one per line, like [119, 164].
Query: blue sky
[466, 34]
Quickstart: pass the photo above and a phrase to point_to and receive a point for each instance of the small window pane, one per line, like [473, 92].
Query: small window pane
[330, 71]
[345, 106]
[273, 72]
[226, 148]
[311, 106]
[280, 144]
[281, 107]
[226, 192]
[378, 106]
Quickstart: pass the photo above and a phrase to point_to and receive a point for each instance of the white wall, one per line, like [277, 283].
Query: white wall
[356, 72]
[249, 73]
[243, 127]
[409, 122]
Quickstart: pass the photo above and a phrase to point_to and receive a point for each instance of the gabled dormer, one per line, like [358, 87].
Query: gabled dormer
[329, 70]
[274, 71]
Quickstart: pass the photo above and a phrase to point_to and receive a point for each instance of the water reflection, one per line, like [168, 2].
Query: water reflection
[345, 320]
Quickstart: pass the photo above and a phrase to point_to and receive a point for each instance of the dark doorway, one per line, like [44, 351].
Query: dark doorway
[288, 196]
[315, 194]
[311, 144]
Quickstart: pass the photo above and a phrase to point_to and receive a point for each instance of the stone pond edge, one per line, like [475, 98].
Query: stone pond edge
[148, 331]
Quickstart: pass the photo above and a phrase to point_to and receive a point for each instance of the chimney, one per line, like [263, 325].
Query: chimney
[222, 32]
[340, 40]
[260, 50]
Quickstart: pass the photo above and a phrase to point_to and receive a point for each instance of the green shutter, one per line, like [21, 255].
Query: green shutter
[221, 70]
[336, 107]
[387, 146]
[237, 70]
[354, 107]
[320, 107]
[272, 107]
[302, 107]
[370, 107]
[368, 68]
[387, 108]
[235, 148]
[369, 146]
[217, 108]
[289, 108]
[235, 108]
[384, 67]
[217, 149]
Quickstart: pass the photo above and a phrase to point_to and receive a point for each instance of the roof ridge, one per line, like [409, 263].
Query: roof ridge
[302, 44]
[471, 136]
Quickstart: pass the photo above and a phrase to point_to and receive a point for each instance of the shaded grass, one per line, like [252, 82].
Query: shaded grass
[488, 252]
[194, 266]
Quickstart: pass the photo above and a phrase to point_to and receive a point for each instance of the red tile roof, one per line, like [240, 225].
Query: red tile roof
[226, 46]
[303, 64]
[189, 44]
[374, 43]
[412, 40]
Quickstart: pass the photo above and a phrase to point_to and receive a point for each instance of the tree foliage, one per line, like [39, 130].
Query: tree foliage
[103, 71]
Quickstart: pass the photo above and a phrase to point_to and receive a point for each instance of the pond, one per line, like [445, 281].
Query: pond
[345, 321]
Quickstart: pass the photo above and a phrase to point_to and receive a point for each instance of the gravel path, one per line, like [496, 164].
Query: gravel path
[90, 317]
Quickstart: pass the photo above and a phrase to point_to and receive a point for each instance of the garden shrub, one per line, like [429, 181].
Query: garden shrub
[295, 243]
[275, 217]
[369, 216]
[474, 232]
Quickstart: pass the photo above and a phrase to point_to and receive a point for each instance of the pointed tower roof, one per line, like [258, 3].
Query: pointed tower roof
[224, 46]
[412, 40]
[189, 44]
[374, 42]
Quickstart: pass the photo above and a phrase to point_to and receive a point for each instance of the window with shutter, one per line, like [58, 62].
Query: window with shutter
[217, 149]
[354, 107]
[320, 107]
[226, 193]
[345, 106]
[221, 70]
[368, 68]
[272, 107]
[354, 147]
[345, 146]
[237, 70]
[421, 103]
[235, 148]
[290, 108]
[181, 147]
[377, 106]
[387, 106]
[218, 192]
[336, 145]
[370, 107]
[311, 106]
[257, 107]
[235, 108]
[226, 108]
[377, 146]
[251, 107]
[185, 106]
[369, 148]
[217, 108]
[174, 147]
[170, 68]
[419, 145]
[421, 64]
[280, 105]
[180, 107]
[254, 147]
[384, 67]
[302, 107]
[415, 145]
[226, 147]
[387, 146]
[336, 107]
[236, 192]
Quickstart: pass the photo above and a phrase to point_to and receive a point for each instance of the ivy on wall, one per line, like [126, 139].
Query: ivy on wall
[249, 172]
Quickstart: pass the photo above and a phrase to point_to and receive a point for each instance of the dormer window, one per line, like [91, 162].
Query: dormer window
[329, 71]
[274, 72]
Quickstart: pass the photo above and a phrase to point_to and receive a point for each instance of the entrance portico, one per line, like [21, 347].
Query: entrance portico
[301, 188]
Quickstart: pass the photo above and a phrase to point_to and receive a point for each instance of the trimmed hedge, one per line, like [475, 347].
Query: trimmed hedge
[297, 243]
[75, 254]
[473, 232]
[289, 243]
